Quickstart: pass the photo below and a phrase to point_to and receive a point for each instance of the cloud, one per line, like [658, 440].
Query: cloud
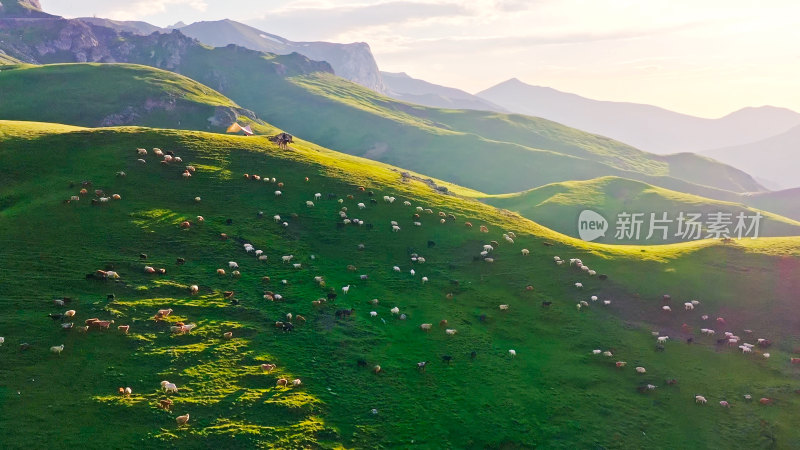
[324, 21]
[140, 9]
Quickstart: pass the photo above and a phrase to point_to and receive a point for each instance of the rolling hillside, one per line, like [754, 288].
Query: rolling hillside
[113, 94]
[558, 205]
[785, 202]
[774, 159]
[536, 399]
[490, 152]
[646, 127]
[402, 87]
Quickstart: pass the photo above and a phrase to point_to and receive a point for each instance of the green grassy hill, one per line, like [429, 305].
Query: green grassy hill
[554, 393]
[490, 152]
[113, 94]
[558, 205]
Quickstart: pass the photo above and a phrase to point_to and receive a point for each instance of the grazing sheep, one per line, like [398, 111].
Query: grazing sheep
[233, 265]
[512, 353]
[641, 370]
[228, 335]
[296, 382]
[182, 419]
[579, 285]
[597, 351]
[503, 307]
[424, 280]
[373, 314]
[700, 400]
[525, 252]
[165, 404]
[395, 310]
[450, 331]
[277, 193]
[621, 363]
[666, 308]
[426, 327]
[724, 404]
[377, 369]
[57, 349]
[608, 353]
[124, 328]
[309, 204]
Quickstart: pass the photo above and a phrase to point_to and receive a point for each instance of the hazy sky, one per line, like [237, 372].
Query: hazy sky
[702, 57]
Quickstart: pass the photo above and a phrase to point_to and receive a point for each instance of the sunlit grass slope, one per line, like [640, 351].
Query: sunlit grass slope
[554, 394]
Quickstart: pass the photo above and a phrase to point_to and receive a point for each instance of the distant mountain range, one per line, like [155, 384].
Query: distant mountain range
[350, 61]
[776, 159]
[647, 127]
[400, 86]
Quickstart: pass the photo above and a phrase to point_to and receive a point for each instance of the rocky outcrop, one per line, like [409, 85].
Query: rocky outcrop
[22, 9]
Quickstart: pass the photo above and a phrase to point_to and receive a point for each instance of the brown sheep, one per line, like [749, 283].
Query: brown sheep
[282, 381]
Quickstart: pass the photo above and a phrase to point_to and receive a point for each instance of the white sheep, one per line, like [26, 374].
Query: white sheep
[424, 280]
[317, 196]
[233, 265]
[277, 218]
[396, 268]
[666, 308]
[287, 258]
[662, 339]
[606, 302]
[361, 206]
[688, 306]
[450, 331]
[346, 289]
[406, 203]
[278, 193]
[395, 310]
[309, 204]
[597, 351]
[512, 353]
[57, 349]
[525, 252]
[641, 370]
[593, 298]
[395, 228]
[700, 399]
[579, 285]
[373, 314]
[503, 307]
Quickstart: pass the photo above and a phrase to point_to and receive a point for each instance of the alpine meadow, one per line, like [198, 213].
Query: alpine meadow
[207, 245]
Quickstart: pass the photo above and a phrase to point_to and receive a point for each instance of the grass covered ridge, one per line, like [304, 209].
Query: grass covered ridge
[558, 205]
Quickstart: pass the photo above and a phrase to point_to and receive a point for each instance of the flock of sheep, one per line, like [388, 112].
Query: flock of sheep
[487, 253]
